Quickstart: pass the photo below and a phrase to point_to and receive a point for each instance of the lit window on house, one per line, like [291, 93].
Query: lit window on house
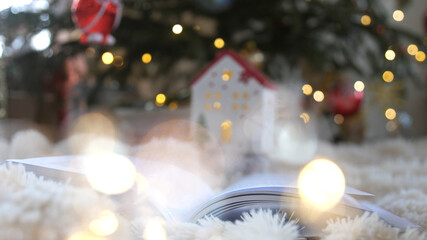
[208, 95]
[226, 75]
[245, 107]
[217, 105]
[218, 95]
[245, 95]
[208, 106]
[226, 130]
[235, 95]
[235, 107]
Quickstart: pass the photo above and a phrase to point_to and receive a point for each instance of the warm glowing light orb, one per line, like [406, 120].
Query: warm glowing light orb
[318, 96]
[412, 49]
[84, 236]
[390, 114]
[109, 173]
[107, 58]
[177, 29]
[420, 56]
[307, 89]
[219, 43]
[339, 119]
[398, 15]
[226, 75]
[390, 55]
[105, 225]
[365, 20]
[160, 99]
[217, 105]
[321, 184]
[305, 117]
[388, 76]
[359, 86]
[154, 230]
[146, 58]
[173, 105]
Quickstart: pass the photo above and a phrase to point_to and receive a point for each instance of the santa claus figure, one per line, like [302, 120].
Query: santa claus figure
[96, 19]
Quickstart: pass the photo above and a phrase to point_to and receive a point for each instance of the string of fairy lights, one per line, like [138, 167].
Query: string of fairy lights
[387, 76]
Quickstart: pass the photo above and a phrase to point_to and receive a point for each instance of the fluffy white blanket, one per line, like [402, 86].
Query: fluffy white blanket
[32, 208]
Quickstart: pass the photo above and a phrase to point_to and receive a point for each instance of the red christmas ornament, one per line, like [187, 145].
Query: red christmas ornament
[96, 19]
[345, 100]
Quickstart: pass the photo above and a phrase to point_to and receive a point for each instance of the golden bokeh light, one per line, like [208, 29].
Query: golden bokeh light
[109, 173]
[390, 114]
[307, 89]
[107, 58]
[146, 58]
[359, 86]
[226, 75]
[118, 61]
[154, 230]
[219, 43]
[318, 96]
[208, 106]
[390, 55]
[412, 49]
[105, 225]
[398, 15]
[90, 52]
[388, 76]
[208, 95]
[365, 20]
[218, 95]
[305, 117]
[420, 56]
[217, 105]
[339, 119]
[321, 184]
[177, 29]
[85, 236]
[160, 99]
[173, 105]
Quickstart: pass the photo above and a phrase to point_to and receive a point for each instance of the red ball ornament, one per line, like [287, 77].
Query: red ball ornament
[96, 19]
[344, 100]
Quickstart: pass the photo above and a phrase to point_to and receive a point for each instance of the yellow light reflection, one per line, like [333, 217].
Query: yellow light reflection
[107, 58]
[105, 225]
[118, 61]
[398, 15]
[109, 173]
[390, 114]
[217, 105]
[146, 58]
[318, 96]
[412, 49]
[359, 86]
[339, 119]
[420, 56]
[365, 20]
[173, 105]
[388, 76]
[307, 89]
[390, 55]
[219, 43]
[226, 75]
[321, 184]
[160, 99]
[84, 236]
[154, 230]
[305, 117]
[177, 29]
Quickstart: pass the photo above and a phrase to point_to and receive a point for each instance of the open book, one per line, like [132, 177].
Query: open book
[180, 195]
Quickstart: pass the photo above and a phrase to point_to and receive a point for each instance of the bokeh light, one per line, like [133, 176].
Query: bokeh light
[226, 75]
[177, 29]
[412, 49]
[219, 43]
[146, 58]
[359, 86]
[160, 99]
[339, 119]
[318, 96]
[305, 117]
[398, 15]
[217, 105]
[390, 114]
[388, 76]
[420, 56]
[118, 61]
[365, 20]
[391, 126]
[109, 173]
[41, 40]
[307, 89]
[154, 230]
[105, 225]
[173, 105]
[107, 58]
[321, 184]
[85, 236]
[390, 55]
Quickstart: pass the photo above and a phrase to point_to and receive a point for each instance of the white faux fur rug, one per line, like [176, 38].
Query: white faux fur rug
[32, 208]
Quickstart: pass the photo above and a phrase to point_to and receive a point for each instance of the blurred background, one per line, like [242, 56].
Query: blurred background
[356, 67]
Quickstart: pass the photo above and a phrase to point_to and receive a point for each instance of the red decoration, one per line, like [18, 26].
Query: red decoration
[345, 100]
[425, 23]
[96, 18]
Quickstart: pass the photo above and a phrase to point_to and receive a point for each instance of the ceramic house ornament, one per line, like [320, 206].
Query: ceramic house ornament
[236, 103]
